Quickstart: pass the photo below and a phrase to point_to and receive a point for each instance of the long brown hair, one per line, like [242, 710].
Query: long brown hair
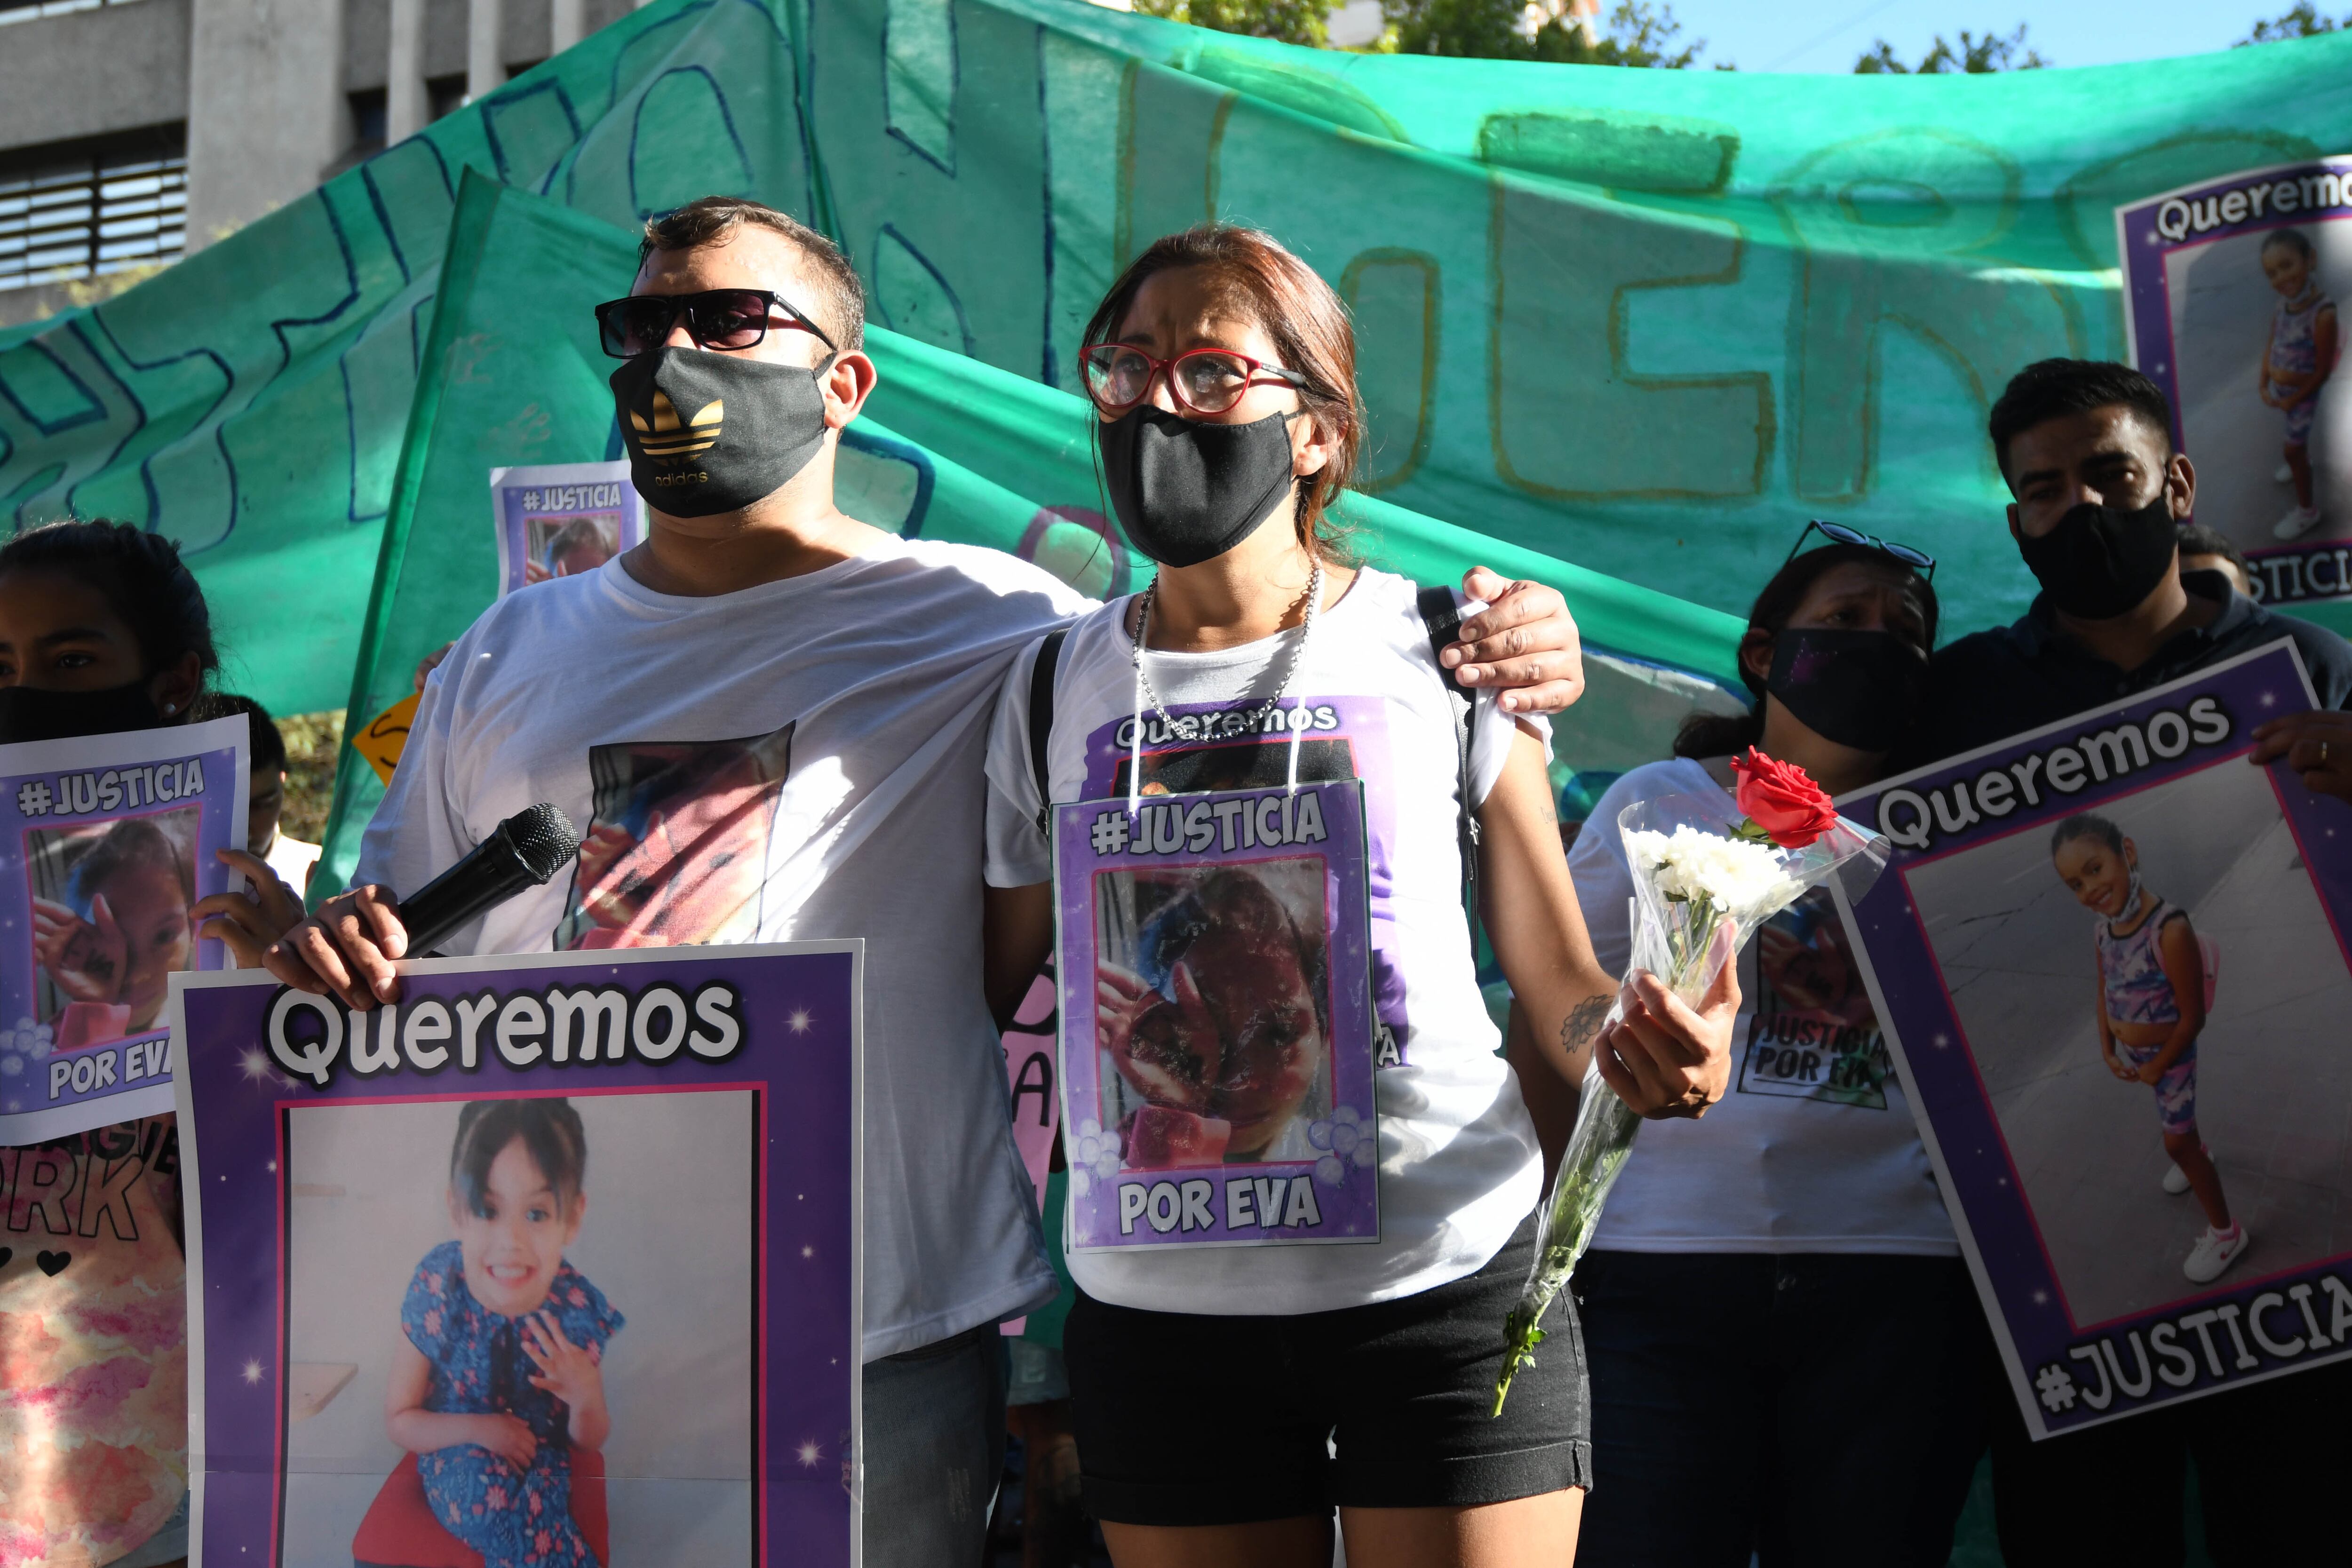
[1310, 328]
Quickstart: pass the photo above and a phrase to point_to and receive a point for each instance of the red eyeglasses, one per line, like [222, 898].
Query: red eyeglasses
[1204, 381]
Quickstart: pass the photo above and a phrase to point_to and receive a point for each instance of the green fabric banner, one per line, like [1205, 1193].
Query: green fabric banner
[1643, 321]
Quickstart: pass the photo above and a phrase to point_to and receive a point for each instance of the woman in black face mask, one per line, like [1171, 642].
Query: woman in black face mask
[102, 628]
[1207, 1380]
[1775, 1308]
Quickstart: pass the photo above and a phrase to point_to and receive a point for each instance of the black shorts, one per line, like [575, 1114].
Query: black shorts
[1186, 1419]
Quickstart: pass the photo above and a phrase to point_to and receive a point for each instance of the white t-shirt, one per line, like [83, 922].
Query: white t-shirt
[799, 758]
[292, 860]
[1812, 1149]
[1459, 1165]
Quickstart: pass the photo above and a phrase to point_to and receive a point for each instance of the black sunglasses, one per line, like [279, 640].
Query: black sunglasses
[1839, 533]
[715, 319]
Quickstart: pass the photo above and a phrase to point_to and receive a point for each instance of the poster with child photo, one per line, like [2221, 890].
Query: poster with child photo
[2110, 958]
[559, 520]
[1214, 959]
[553, 1261]
[105, 843]
[2230, 305]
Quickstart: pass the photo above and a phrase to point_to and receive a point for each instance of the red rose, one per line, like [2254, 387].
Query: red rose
[1781, 800]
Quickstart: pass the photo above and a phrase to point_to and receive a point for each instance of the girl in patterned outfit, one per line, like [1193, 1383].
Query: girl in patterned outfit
[2296, 363]
[498, 1375]
[2151, 1007]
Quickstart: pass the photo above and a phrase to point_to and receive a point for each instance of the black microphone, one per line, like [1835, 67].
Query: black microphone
[523, 851]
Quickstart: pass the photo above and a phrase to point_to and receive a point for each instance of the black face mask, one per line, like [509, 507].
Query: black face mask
[1186, 492]
[1859, 689]
[2100, 561]
[711, 432]
[36, 713]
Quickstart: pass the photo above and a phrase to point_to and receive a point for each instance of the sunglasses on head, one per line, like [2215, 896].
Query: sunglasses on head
[1918, 561]
[715, 319]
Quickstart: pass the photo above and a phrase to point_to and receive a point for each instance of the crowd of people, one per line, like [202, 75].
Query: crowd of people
[1777, 1347]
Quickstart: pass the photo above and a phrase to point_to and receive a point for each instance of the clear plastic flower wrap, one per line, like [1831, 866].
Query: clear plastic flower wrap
[1708, 871]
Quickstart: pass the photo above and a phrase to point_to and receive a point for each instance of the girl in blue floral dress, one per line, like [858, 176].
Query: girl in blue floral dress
[499, 1374]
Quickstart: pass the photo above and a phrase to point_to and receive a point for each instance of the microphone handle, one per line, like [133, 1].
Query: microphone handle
[492, 874]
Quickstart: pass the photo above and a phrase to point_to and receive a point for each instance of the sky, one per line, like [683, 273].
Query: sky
[1829, 35]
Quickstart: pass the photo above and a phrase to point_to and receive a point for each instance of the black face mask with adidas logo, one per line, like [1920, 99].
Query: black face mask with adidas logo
[711, 432]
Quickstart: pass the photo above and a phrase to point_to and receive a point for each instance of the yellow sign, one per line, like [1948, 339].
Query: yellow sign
[381, 742]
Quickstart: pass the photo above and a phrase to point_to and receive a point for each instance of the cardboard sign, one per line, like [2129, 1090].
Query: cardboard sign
[2231, 291]
[1215, 958]
[559, 520]
[105, 842]
[557, 1243]
[2059, 910]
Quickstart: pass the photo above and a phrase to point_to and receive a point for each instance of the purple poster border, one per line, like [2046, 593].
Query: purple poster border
[2150, 231]
[797, 1009]
[1348, 1209]
[46, 1092]
[2068, 1374]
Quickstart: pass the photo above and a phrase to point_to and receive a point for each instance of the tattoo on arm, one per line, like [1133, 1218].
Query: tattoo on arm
[1583, 1022]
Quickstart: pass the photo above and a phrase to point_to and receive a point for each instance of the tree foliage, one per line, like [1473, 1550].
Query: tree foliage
[1639, 34]
[1973, 55]
[2303, 22]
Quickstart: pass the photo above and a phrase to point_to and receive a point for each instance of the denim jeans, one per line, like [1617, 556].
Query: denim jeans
[934, 1425]
[1819, 1410]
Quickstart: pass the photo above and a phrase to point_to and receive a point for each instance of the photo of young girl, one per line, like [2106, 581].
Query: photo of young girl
[521, 1328]
[110, 922]
[2198, 876]
[498, 1380]
[567, 546]
[2154, 979]
[1215, 1010]
[2296, 363]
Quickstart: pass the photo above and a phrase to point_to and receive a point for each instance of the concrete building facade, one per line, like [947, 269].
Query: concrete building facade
[132, 132]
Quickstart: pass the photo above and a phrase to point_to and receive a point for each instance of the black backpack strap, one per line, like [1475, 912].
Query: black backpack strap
[1041, 722]
[1443, 615]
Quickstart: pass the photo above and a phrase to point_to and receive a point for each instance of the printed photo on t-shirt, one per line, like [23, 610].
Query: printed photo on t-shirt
[677, 850]
[1812, 1035]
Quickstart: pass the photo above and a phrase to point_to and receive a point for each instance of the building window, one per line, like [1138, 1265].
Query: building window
[444, 95]
[367, 121]
[87, 209]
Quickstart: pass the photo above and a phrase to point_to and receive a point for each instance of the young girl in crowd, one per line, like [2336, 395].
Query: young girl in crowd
[102, 629]
[499, 1374]
[1225, 1398]
[1775, 1308]
[2296, 363]
[2152, 1006]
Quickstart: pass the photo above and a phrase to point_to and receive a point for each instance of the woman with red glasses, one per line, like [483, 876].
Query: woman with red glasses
[1227, 1396]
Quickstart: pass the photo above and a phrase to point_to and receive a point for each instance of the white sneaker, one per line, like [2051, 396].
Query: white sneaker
[2215, 1252]
[2175, 1180]
[2283, 473]
[2297, 523]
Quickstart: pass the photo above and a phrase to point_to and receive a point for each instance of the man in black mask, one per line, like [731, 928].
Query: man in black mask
[772, 719]
[2087, 451]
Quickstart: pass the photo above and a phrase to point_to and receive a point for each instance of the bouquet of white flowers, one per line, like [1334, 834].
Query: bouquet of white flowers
[1708, 871]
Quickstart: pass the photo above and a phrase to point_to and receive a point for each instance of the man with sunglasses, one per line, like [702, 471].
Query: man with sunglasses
[2087, 451]
[774, 719]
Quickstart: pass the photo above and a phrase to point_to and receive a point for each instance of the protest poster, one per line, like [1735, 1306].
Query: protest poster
[2230, 305]
[558, 520]
[1993, 956]
[1214, 959]
[623, 1181]
[105, 842]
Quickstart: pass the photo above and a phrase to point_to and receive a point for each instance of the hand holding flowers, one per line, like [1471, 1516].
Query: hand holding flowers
[1704, 879]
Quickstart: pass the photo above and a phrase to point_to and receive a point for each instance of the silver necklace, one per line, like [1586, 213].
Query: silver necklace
[1290, 672]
